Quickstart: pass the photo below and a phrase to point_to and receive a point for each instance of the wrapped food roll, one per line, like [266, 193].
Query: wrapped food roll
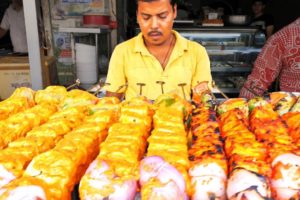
[136, 106]
[25, 188]
[208, 187]
[24, 92]
[106, 116]
[108, 101]
[79, 111]
[51, 94]
[76, 98]
[285, 104]
[55, 132]
[173, 103]
[270, 129]
[165, 137]
[56, 170]
[244, 184]
[168, 140]
[114, 173]
[296, 106]
[282, 101]
[208, 169]
[161, 180]
[10, 107]
[231, 104]
[18, 125]
[286, 176]
[99, 182]
[82, 150]
[292, 119]
[21, 99]
[103, 104]
[168, 118]
[12, 165]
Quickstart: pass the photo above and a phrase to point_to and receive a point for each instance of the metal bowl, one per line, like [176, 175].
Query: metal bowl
[237, 19]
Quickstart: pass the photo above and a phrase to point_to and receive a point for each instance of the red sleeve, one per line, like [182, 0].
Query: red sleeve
[266, 68]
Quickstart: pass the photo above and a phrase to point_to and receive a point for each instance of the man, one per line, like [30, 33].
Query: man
[264, 21]
[14, 21]
[280, 57]
[158, 60]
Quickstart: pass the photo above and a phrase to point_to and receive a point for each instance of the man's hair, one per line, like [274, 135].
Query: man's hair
[173, 2]
[261, 1]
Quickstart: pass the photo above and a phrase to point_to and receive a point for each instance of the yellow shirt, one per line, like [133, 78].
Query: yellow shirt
[132, 63]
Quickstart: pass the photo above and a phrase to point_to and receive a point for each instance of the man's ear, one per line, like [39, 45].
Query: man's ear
[175, 11]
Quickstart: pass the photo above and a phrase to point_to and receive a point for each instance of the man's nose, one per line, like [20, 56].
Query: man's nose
[154, 23]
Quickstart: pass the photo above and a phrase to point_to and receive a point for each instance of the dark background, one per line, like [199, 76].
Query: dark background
[5, 42]
[283, 11]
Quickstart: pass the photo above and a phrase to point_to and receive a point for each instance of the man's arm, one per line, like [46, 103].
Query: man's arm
[2, 32]
[202, 71]
[114, 94]
[269, 31]
[115, 80]
[269, 25]
[266, 68]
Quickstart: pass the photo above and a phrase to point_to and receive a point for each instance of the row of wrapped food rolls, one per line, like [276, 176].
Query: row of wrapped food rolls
[115, 171]
[54, 139]
[54, 155]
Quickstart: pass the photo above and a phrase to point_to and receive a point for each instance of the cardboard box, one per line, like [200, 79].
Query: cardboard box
[15, 72]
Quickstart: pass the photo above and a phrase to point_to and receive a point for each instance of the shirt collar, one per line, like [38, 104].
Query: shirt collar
[180, 46]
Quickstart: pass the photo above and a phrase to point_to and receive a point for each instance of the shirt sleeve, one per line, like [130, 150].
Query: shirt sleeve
[5, 21]
[266, 68]
[116, 75]
[202, 69]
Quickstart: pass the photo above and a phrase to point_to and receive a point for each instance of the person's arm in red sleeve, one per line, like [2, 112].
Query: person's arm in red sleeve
[266, 68]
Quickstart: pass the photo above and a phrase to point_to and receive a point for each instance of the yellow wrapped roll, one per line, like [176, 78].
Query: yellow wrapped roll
[51, 95]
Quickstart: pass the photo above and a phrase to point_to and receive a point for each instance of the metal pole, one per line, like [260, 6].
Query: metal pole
[32, 34]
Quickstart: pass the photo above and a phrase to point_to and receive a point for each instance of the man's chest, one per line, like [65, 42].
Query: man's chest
[148, 70]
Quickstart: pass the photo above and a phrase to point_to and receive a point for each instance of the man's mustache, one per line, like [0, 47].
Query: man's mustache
[154, 33]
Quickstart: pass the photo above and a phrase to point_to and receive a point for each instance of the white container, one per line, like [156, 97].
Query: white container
[87, 72]
[86, 63]
[85, 53]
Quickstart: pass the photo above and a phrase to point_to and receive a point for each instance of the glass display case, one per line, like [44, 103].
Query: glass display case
[232, 52]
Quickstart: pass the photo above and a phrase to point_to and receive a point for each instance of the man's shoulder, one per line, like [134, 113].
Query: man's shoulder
[10, 9]
[190, 43]
[128, 44]
[195, 45]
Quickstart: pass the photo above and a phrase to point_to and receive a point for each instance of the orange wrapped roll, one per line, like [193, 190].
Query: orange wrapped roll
[208, 169]
[56, 170]
[25, 188]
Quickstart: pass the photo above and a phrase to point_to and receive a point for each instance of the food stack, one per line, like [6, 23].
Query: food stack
[57, 168]
[273, 133]
[292, 119]
[247, 158]
[163, 173]
[114, 173]
[208, 169]
[17, 102]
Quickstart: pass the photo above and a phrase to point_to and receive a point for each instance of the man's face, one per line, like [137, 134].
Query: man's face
[156, 20]
[17, 2]
[258, 7]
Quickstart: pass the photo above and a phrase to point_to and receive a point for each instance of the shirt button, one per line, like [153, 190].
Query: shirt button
[165, 75]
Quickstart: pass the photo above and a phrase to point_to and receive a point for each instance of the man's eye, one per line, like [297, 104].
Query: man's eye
[162, 16]
[146, 17]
